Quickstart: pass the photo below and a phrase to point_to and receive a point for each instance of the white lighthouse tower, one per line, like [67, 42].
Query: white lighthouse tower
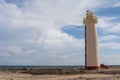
[91, 41]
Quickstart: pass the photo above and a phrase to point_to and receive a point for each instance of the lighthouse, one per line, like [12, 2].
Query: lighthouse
[91, 41]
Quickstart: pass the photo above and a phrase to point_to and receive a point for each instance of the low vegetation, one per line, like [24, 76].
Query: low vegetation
[64, 71]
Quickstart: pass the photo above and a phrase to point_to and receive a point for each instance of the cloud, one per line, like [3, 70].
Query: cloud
[115, 28]
[108, 37]
[38, 13]
[117, 4]
[14, 49]
[35, 30]
[105, 22]
[109, 24]
[110, 45]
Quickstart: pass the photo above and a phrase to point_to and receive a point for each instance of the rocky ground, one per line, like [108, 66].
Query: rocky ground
[113, 73]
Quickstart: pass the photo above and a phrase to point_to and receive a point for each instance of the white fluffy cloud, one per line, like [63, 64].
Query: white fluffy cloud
[108, 37]
[109, 24]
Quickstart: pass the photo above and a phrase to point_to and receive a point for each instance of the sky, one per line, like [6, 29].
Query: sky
[51, 32]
